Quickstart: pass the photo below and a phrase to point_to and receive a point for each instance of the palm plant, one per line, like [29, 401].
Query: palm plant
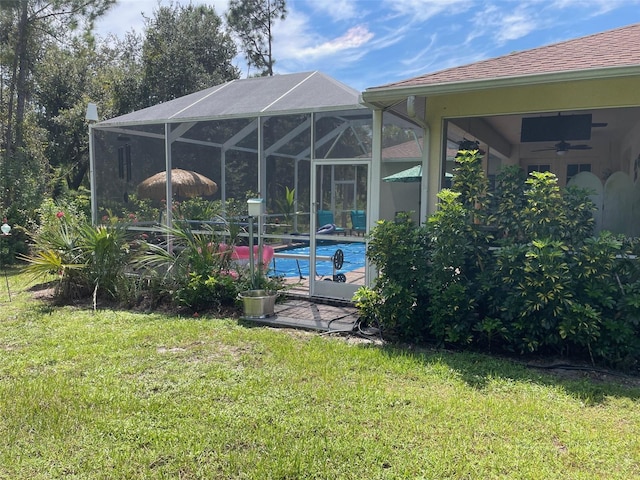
[194, 268]
[83, 257]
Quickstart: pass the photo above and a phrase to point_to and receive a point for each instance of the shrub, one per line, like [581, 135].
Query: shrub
[507, 210]
[459, 255]
[84, 258]
[195, 269]
[449, 285]
[14, 246]
[532, 291]
[549, 286]
[398, 298]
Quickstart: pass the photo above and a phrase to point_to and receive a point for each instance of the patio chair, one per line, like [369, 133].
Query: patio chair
[325, 217]
[359, 221]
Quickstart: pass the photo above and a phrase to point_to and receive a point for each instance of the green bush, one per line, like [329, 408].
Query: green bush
[207, 291]
[450, 281]
[85, 259]
[398, 298]
[14, 246]
[106, 261]
[459, 253]
[519, 271]
[197, 271]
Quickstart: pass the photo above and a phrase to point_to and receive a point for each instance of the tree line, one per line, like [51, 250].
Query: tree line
[52, 64]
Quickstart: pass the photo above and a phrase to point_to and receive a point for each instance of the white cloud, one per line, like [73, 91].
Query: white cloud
[425, 51]
[499, 25]
[353, 38]
[597, 7]
[337, 9]
[515, 26]
[422, 10]
[298, 43]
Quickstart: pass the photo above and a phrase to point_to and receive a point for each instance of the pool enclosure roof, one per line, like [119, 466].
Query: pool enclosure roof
[250, 97]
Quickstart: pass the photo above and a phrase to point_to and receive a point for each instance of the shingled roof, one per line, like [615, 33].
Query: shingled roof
[613, 48]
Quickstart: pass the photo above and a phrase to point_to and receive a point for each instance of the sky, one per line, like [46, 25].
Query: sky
[368, 43]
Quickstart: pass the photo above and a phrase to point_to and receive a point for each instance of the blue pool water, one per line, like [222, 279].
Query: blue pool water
[354, 257]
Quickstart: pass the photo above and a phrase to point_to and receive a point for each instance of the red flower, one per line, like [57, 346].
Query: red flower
[196, 314]
[60, 214]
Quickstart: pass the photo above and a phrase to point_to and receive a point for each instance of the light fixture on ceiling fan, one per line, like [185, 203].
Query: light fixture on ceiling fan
[562, 147]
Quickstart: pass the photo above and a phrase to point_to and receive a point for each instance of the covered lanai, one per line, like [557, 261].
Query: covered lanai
[302, 142]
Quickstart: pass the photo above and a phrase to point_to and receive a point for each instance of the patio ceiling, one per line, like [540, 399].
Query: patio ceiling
[615, 124]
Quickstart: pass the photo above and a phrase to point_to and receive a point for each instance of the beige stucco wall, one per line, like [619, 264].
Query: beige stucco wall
[585, 94]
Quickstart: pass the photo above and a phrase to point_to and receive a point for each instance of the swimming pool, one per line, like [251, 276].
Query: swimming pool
[354, 257]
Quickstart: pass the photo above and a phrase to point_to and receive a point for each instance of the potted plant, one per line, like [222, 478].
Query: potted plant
[259, 301]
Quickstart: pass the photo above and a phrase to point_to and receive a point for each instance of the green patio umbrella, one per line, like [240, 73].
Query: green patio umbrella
[413, 174]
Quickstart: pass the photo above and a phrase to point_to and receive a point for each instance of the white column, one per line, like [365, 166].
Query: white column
[373, 197]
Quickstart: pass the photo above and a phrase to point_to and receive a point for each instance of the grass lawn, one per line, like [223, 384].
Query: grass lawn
[119, 395]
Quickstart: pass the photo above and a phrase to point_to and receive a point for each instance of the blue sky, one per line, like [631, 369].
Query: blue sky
[367, 43]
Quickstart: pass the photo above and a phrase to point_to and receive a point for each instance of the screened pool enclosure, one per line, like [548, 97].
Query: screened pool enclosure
[302, 142]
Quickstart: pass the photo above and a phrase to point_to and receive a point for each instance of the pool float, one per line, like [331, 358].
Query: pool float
[241, 254]
[327, 229]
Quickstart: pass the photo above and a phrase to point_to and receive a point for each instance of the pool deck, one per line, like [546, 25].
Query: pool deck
[303, 313]
[299, 310]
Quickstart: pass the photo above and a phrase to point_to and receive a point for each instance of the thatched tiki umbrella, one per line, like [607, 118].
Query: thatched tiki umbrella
[184, 183]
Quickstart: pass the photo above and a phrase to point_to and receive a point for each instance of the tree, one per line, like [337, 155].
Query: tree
[67, 79]
[28, 23]
[122, 74]
[252, 22]
[27, 27]
[185, 50]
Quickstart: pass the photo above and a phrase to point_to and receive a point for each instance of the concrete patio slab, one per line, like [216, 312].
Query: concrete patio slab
[304, 314]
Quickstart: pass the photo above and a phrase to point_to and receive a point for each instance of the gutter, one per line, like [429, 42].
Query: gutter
[382, 96]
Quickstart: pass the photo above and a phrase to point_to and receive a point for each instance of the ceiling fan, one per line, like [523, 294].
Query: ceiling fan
[562, 147]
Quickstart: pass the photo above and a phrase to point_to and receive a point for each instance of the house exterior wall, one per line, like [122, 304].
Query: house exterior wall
[583, 94]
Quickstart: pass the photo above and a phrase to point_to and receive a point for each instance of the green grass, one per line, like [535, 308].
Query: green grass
[115, 394]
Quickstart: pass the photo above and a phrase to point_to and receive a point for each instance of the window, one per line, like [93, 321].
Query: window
[538, 168]
[575, 168]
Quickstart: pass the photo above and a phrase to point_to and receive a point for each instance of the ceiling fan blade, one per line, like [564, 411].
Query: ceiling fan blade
[552, 149]
[579, 147]
[599, 124]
